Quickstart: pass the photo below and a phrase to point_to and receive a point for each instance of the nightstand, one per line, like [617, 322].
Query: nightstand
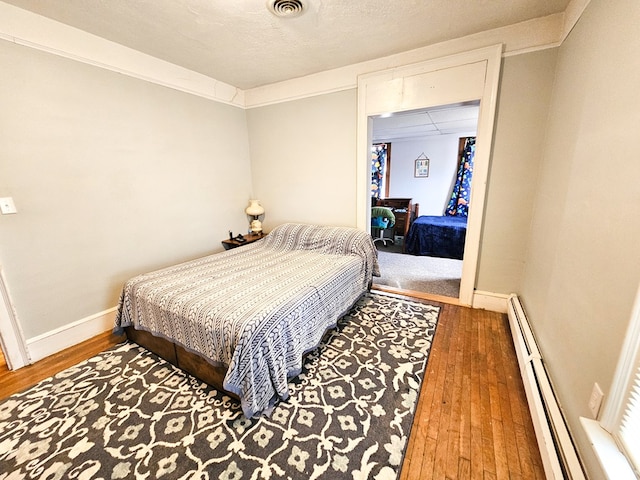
[249, 238]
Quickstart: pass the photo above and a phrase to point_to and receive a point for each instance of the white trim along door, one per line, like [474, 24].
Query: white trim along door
[469, 76]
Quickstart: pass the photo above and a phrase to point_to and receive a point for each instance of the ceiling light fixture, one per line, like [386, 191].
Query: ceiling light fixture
[286, 8]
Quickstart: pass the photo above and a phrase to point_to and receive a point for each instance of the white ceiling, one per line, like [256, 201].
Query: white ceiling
[444, 120]
[240, 42]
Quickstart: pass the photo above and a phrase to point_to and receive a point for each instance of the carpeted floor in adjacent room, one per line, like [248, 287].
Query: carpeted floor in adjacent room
[438, 276]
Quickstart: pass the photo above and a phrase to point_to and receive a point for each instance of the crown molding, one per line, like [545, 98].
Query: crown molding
[537, 34]
[35, 31]
[572, 14]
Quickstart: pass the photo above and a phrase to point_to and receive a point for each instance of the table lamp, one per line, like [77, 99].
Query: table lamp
[255, 210]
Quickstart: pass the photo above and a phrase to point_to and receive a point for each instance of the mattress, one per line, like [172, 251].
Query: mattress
[256, 309]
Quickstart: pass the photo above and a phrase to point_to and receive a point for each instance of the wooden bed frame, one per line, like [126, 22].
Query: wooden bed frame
[182, 358]
[323, 240]
[185, 360]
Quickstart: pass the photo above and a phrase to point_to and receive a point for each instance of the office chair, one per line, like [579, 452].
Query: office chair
[382, 218]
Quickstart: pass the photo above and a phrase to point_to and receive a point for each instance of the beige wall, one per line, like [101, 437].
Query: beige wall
[521, 115]
[304, 151]
[303, 159]
[111, 176]
[582, 270]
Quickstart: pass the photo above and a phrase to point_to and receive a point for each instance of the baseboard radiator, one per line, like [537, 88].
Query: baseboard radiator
[559, 456]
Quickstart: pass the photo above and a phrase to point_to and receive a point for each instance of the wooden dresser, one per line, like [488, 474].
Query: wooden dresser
[404, 211]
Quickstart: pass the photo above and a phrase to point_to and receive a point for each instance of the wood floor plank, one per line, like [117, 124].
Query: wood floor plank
[428, 460]
[464, 469]
[472, 420]
[489, 475]
[15, 381]
[465, 395]
[485, 376]
[477, 466]
[445, 402]
[501, 369]
[427, 417]
[456, 363]
[518, 408]
[438, 378]
[513, 456]
[527, 466]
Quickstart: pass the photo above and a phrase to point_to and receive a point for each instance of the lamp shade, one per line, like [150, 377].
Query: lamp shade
[254, 209]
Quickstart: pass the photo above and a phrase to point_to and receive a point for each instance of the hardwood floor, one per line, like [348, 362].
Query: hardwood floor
[15, 381]
[472, 419]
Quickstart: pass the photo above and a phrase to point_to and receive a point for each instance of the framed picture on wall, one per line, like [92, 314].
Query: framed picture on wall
[422, 166]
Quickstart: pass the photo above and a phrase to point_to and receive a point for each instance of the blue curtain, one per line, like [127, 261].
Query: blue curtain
[461, 195]
[378, 166]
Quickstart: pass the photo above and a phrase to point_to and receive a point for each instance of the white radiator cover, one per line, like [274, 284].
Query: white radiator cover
[559, 456]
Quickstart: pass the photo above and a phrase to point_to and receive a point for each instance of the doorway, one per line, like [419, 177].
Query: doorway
[467, 77]
[434, 138]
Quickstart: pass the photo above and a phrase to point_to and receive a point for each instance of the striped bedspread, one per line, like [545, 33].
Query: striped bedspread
[256, 309]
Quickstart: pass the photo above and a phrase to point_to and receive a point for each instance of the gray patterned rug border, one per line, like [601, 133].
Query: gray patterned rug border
[128, 414]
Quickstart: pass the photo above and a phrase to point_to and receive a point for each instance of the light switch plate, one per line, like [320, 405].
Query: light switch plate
[595, 400]
[7, 206]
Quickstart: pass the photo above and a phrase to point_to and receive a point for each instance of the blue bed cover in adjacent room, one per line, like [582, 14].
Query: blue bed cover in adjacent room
[437, 237]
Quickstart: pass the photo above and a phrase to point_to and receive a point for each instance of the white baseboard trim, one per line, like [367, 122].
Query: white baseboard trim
[494, 302]
[74, 333]
[71, 334]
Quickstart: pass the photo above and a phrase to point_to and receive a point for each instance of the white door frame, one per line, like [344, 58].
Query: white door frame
[14, 346]
[448, 80]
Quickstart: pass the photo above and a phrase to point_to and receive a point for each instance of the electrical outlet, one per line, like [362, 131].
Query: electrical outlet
[595, 400]
[7, 206]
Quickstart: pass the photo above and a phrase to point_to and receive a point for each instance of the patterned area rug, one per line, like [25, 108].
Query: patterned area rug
[128, 414]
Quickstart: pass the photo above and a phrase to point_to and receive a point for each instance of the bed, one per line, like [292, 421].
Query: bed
[242, 319]
[437, 236]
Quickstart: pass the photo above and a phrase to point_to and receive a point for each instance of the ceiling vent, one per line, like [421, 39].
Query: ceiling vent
[286, 8]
